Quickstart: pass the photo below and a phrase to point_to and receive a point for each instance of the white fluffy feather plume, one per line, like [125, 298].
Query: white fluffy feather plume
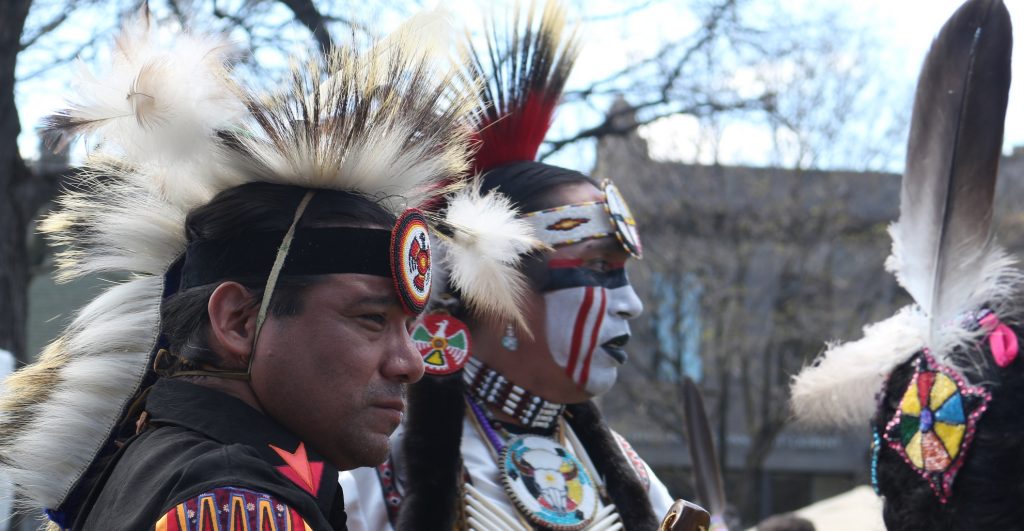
[482, 255]
[839, 388]
[162, 98]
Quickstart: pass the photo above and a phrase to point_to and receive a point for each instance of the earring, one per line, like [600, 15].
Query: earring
[509, 340]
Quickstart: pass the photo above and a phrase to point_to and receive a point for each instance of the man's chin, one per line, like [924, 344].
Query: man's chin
[371, 450]
[601, 382]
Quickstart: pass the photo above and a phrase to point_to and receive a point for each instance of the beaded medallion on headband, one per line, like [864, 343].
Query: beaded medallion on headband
[569, 224]
[410, 260]
[935, 423]
[443, 341]
[622, 218]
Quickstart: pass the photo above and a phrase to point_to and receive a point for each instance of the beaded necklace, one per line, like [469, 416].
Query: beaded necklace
[489, 387]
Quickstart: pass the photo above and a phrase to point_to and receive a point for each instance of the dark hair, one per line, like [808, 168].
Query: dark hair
[251, 208]
[988, 491]
[528, 184]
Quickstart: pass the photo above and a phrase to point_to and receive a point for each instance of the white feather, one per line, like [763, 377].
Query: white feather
[995, 283]
[102, 358]
[162, 98]
[839, 389]
[482, 256]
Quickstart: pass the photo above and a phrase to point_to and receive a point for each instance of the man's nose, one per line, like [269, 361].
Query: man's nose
[624, 302]
[404, 363]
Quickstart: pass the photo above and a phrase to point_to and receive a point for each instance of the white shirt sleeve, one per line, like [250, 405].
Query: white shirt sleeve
[364, 500]
[661, 500]
[658, 493]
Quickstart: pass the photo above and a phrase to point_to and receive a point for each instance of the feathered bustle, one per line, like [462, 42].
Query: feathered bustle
[482, 254]
[525, 65]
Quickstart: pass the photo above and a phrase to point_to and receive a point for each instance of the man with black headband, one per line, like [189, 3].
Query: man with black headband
[275, 260]
[501, 432]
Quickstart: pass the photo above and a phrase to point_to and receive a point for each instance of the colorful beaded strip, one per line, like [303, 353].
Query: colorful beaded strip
[481, 418]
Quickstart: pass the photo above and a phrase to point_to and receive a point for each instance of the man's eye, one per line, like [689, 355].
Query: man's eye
[601, 266]
[376, 318]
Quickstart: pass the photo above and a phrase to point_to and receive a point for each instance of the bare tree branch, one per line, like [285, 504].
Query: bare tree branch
[610, 126]
[306, 12]
[47, 28]
[62, 60]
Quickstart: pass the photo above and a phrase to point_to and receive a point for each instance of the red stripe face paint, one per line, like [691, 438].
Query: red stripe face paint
[577, 329]
[585, 373]
[585, 326]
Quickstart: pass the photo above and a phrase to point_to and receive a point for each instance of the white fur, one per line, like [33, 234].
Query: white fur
[482, 256]
[839, 389]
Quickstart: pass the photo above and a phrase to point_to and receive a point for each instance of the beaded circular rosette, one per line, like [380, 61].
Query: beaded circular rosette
[410, 260]
[443, 341]
[547, 483]
[935, 423]
[622, 220]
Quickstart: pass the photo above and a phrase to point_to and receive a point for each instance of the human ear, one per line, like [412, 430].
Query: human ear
[232, 322]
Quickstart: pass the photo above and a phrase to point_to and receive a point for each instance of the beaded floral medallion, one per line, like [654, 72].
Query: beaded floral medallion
[935, 423]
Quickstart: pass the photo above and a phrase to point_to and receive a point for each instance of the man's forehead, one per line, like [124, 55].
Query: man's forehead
[578, 192]
[357, 288]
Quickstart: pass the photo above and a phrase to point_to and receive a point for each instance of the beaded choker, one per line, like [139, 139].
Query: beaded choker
[489, 387]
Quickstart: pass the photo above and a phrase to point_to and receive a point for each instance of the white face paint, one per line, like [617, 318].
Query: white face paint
[581, 321]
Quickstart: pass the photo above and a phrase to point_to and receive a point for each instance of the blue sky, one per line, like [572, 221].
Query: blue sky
[906, 28]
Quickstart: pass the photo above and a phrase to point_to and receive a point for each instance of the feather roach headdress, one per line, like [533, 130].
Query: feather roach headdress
[525, 64]
[522, 75]
[525, 60]
[171, 128]
[963, 284]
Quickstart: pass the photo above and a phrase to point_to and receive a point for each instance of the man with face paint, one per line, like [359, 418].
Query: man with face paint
[501, 432]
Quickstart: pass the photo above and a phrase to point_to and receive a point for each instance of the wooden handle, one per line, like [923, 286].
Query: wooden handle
[686, 516]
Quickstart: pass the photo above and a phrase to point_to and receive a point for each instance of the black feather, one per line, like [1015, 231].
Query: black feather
[953, 153]
[708, 477]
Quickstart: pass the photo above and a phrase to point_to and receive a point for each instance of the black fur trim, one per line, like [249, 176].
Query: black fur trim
[620, 478]
[432, 454]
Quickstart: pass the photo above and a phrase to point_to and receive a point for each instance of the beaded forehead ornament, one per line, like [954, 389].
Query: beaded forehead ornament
[935, 423]
[569, 224]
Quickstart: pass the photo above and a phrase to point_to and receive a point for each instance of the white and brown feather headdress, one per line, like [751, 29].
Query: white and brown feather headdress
[170, 127]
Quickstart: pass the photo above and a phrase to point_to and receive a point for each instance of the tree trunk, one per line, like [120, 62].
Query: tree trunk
[15, 179]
